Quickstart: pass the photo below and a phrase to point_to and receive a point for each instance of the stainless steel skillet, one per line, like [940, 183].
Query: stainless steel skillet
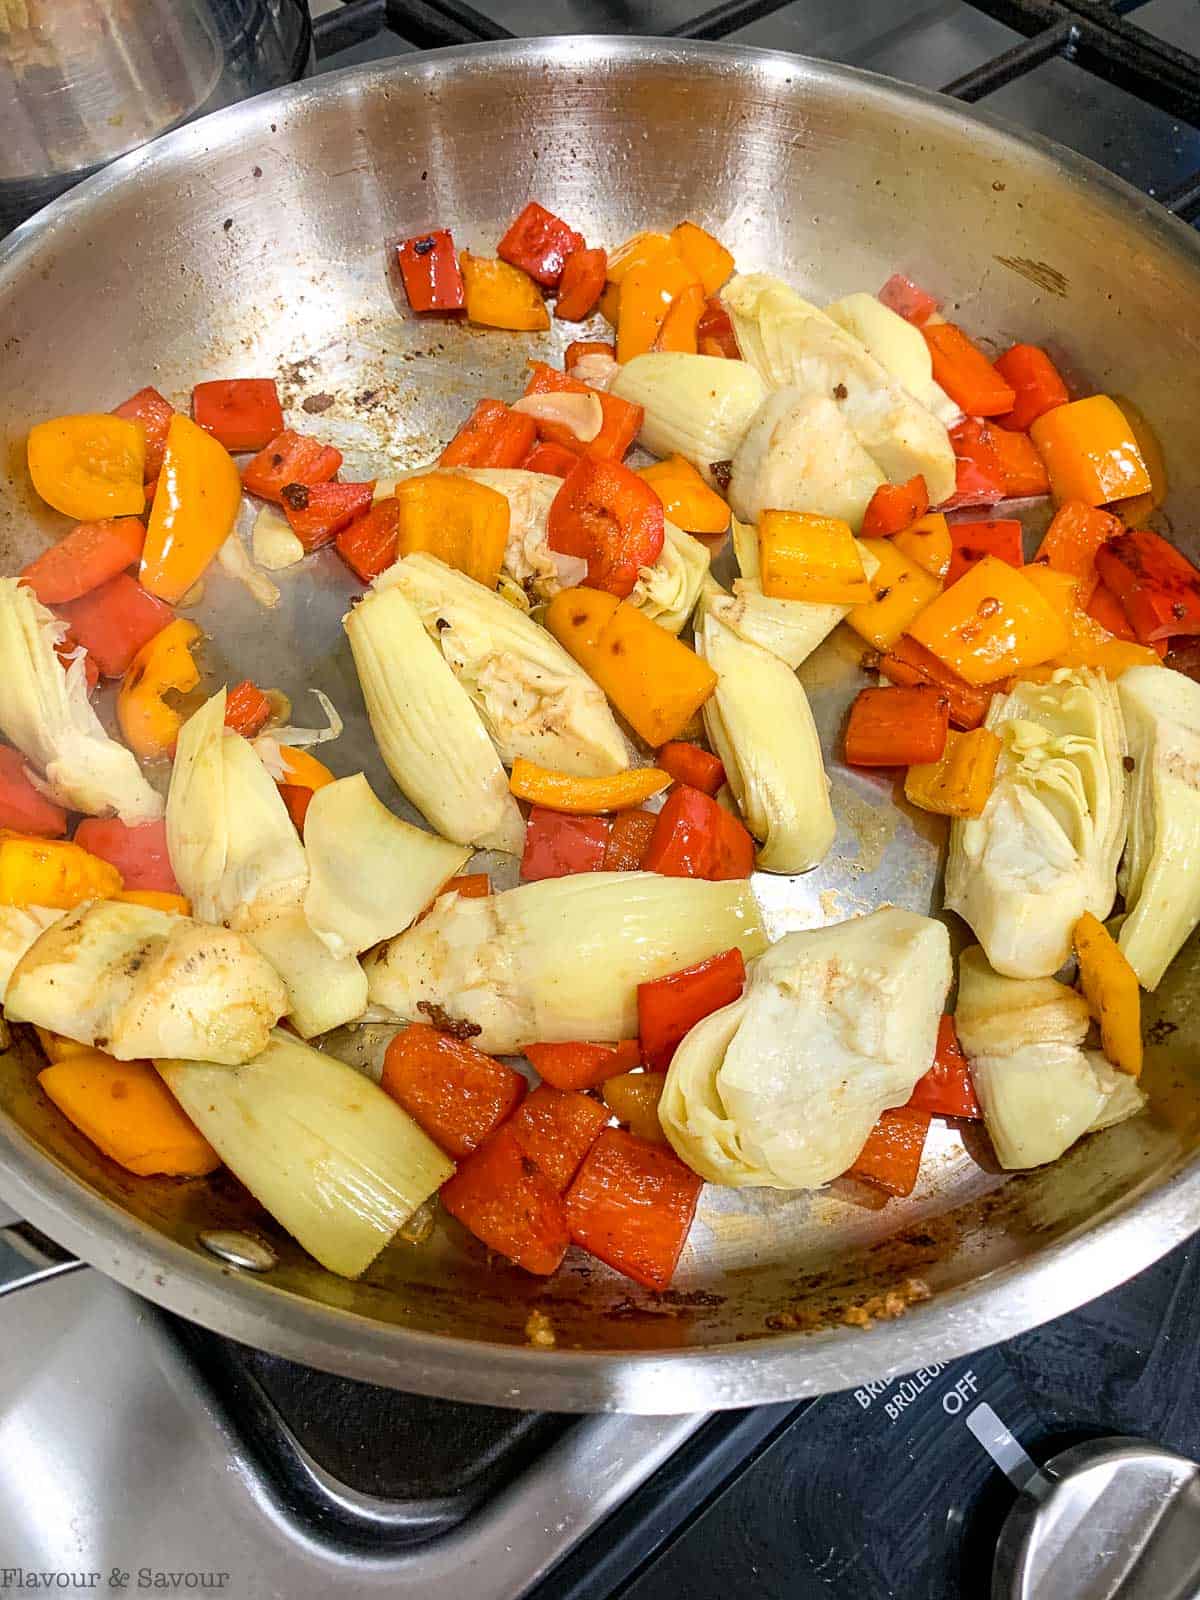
[254, 242]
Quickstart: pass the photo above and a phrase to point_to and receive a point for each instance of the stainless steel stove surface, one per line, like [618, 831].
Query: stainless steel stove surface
[138, 1454]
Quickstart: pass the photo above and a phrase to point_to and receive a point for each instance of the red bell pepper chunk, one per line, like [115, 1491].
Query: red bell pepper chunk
[891, 1157]
[456, 1093]
[632, 1205]
[242, 413]
[582, 1066]
[978, 468]
[897, 727]
[1035, 381]
[247, 709]
[581, 284]
[894, 507]
[69, 650]
[297, 798]
[695, 837]
[578, 348]
[946, 1089]
[901, 295]
[139, 853]
[555, 460]
[113, 622]
[965, 373]
[369, 543]
[319, 513]
[470, 885]
[154, 412]
[1107, 610]
[670, 1007]
[433, 280]
[610, 517]
[290, 458]
[556, 1128]
[1157, 585]
[539, 243]
[23, 807]
[620, 422]
[971, 541]
[688, 763]
[714, 332]
[557, 845]
[91, 554]
[506, 1200]
[492, 436]
[1021, 465]
[911, 666]
[628, 840]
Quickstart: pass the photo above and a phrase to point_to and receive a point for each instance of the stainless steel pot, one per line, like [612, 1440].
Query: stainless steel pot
[255, 241]
[82, 81]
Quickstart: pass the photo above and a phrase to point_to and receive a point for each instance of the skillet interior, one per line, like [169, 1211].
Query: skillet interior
[254, 242]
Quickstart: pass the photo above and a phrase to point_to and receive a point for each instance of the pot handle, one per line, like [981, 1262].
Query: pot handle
[28, 1257]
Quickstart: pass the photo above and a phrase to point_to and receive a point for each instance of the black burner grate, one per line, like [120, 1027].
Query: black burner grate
[1094, 35]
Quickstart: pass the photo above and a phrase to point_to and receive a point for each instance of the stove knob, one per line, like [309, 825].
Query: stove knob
[1111, 1519]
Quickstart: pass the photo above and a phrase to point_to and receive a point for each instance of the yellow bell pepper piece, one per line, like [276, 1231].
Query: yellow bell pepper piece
[928, 543]
[648, 292]
[561, 791]
[54, 873]
[959, 784]
[149, 725]
[1090, 452]
[678, 331]
[990, 624]
[805, 557]
[900, 591]
[1134, 511]
[464, 524]
[89, 466]
[706, 256]
[195, 506]
[57, 1046]
[1110, 988]
[502, 296]
[302, 770]
[1088, 643]
[637, 251]
[609, 305]
[128, 1112]
[655, 681]
[158, 900]
[687, 500]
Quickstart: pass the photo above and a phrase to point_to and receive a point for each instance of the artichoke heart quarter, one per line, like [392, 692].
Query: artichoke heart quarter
[1038, 1088]
[759, 722]
[429, 734]
[136, 982]
[667, 592]
[1160, 876]
[534, 699]
[782, 1088]
[1046, 847]
[698, 407]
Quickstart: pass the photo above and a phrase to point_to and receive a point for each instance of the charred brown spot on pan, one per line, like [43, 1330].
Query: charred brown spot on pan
[439, 1018]
[314, 404]
[295, 496]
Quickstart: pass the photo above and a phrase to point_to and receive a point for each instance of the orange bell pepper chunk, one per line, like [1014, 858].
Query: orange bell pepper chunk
[806, 557]
[991, 623]
[556, 1128]
[1110, 987]
[563, 791]
[958, 785]
[909, 664]
[648, 292]
[638, 250]
[897, 727]
[247, 709]
[899, 590]
[91, 554]
[128, 1112]
[707, 257]
[1135, 510]
[502, 296]
[301, 770]
[54, 873]
[1090, 452]
[688, 763]
[679, 329]
[1089, 644]
[154, 412]
[464, 524]
[149, 726]
[609, 306]
[894, 507]
[579, 1065]
[891, 1157]
[1075, 534]
[1021, 466]
[632, 1205]
[506, 1200]
[628, 841]
[927, 543]
[687, 500]
[492, 436]
[453, 1091]
[633, 1098]
[1035, 381]
[582, 283]
[965, 373]
[195, 506]
[89, 467]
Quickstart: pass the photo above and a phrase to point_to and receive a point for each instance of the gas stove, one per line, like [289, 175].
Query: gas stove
[140, 1453]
